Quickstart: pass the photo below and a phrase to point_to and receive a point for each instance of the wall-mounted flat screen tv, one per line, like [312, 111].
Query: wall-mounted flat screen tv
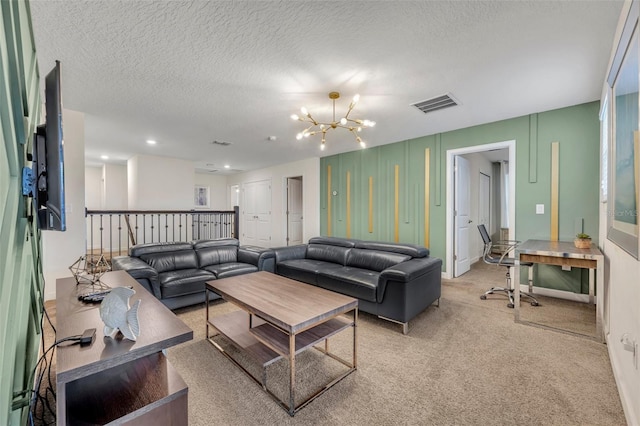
[48, 159]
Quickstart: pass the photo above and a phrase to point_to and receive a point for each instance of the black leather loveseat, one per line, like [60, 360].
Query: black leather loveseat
[393, 281]
[176, 272]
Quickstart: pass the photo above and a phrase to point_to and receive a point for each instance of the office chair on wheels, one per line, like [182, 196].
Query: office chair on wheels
[508, 262]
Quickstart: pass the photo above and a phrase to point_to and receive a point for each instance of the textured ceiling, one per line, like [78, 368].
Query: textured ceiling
[187, 73]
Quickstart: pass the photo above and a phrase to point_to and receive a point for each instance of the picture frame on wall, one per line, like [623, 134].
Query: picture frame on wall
[623, 195]
[201, 197]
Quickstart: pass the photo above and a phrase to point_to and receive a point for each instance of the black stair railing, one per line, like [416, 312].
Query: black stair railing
[112, 232]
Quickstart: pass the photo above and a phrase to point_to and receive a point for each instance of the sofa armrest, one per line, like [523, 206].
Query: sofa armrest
[263, 258]
[139, 270]
[411, 269]
[290, 252]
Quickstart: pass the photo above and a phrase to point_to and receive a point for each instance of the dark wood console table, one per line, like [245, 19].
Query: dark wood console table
[116, 381]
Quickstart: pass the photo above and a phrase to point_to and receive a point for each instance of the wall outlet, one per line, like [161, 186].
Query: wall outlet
[539, 208]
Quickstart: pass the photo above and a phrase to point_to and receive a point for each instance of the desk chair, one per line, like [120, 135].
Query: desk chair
[508, 262]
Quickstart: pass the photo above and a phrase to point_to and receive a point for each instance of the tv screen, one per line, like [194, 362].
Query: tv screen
[49, 158]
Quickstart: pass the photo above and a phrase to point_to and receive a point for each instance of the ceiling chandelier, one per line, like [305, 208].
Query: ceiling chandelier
[354, 125]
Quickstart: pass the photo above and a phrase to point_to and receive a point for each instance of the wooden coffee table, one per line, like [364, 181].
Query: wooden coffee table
[281, 317]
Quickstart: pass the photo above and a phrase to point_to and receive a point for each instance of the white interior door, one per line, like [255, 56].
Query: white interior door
[484, 208]
[256, 213]
[462, 197]
[294, 211]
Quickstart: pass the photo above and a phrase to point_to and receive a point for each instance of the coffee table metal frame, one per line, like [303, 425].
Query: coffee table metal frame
[267, 342]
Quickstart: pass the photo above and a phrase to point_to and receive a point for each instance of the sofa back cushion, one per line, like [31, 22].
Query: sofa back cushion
[171, 261]
[217, 255]
[333, 241]
[328, 253]
[374, 260]
[219, 242]
[149, 248]
[412, 250]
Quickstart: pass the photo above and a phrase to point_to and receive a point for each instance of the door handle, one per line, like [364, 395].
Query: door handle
[470, 221]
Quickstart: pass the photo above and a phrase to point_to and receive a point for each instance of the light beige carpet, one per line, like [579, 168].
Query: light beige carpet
[465, 362]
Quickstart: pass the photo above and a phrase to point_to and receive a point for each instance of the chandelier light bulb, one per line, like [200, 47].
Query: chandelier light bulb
[347, 122]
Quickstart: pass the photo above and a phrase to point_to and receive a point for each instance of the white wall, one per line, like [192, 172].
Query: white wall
[61, 249]
[160, 183]
[114, 180]
[622, 303]
[218, 190]
[309, 169]
[93, 187]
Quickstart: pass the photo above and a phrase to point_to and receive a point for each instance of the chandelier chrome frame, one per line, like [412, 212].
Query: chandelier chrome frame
[353, 125]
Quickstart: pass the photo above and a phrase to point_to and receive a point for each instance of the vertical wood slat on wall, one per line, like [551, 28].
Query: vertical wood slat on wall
[20, 271]
[329, 200]
[533, 148]
[348, 204]
[555, 183]
[427, 170]
[396, 204]
[370, 204]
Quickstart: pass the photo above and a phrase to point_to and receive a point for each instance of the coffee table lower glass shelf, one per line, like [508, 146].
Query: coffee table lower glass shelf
[265, 343]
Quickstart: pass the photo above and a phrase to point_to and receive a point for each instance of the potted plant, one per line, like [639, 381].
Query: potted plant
[582, 241]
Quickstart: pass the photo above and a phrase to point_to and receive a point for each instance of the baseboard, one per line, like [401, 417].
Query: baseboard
[560, 294]
[627, 405]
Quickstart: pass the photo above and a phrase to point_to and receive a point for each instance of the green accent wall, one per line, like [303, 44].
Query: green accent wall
[21, 280]
[576, 128]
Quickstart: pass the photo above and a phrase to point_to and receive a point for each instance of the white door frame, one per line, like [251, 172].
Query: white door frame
[451, 153]
[285, 183]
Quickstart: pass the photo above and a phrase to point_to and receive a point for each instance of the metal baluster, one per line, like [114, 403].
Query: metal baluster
[119, 234]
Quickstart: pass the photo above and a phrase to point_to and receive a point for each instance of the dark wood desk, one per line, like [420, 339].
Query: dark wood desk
[118, 380]
[566, 255]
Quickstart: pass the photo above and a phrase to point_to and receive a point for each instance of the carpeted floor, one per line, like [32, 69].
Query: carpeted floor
[463, 363]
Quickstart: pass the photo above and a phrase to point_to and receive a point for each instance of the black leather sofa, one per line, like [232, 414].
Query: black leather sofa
[393, 281]
[176, 272]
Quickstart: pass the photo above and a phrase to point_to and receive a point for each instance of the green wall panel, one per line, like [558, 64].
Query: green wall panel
[575, 128]
[21, 285]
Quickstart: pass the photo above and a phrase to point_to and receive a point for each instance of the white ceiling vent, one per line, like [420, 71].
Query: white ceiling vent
[221, 143]
[434, 104]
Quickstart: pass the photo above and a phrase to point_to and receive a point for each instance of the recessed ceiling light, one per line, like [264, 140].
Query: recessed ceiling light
[226, 166]
[104, 157]
[151, 142]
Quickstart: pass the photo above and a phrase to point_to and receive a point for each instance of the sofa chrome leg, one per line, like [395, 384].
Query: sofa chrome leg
[438, 303]
[405, 325]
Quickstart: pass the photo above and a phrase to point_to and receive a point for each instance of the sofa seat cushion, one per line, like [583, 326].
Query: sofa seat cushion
[305, 270]
[354, 282]
[231, 269]
[183, 281]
